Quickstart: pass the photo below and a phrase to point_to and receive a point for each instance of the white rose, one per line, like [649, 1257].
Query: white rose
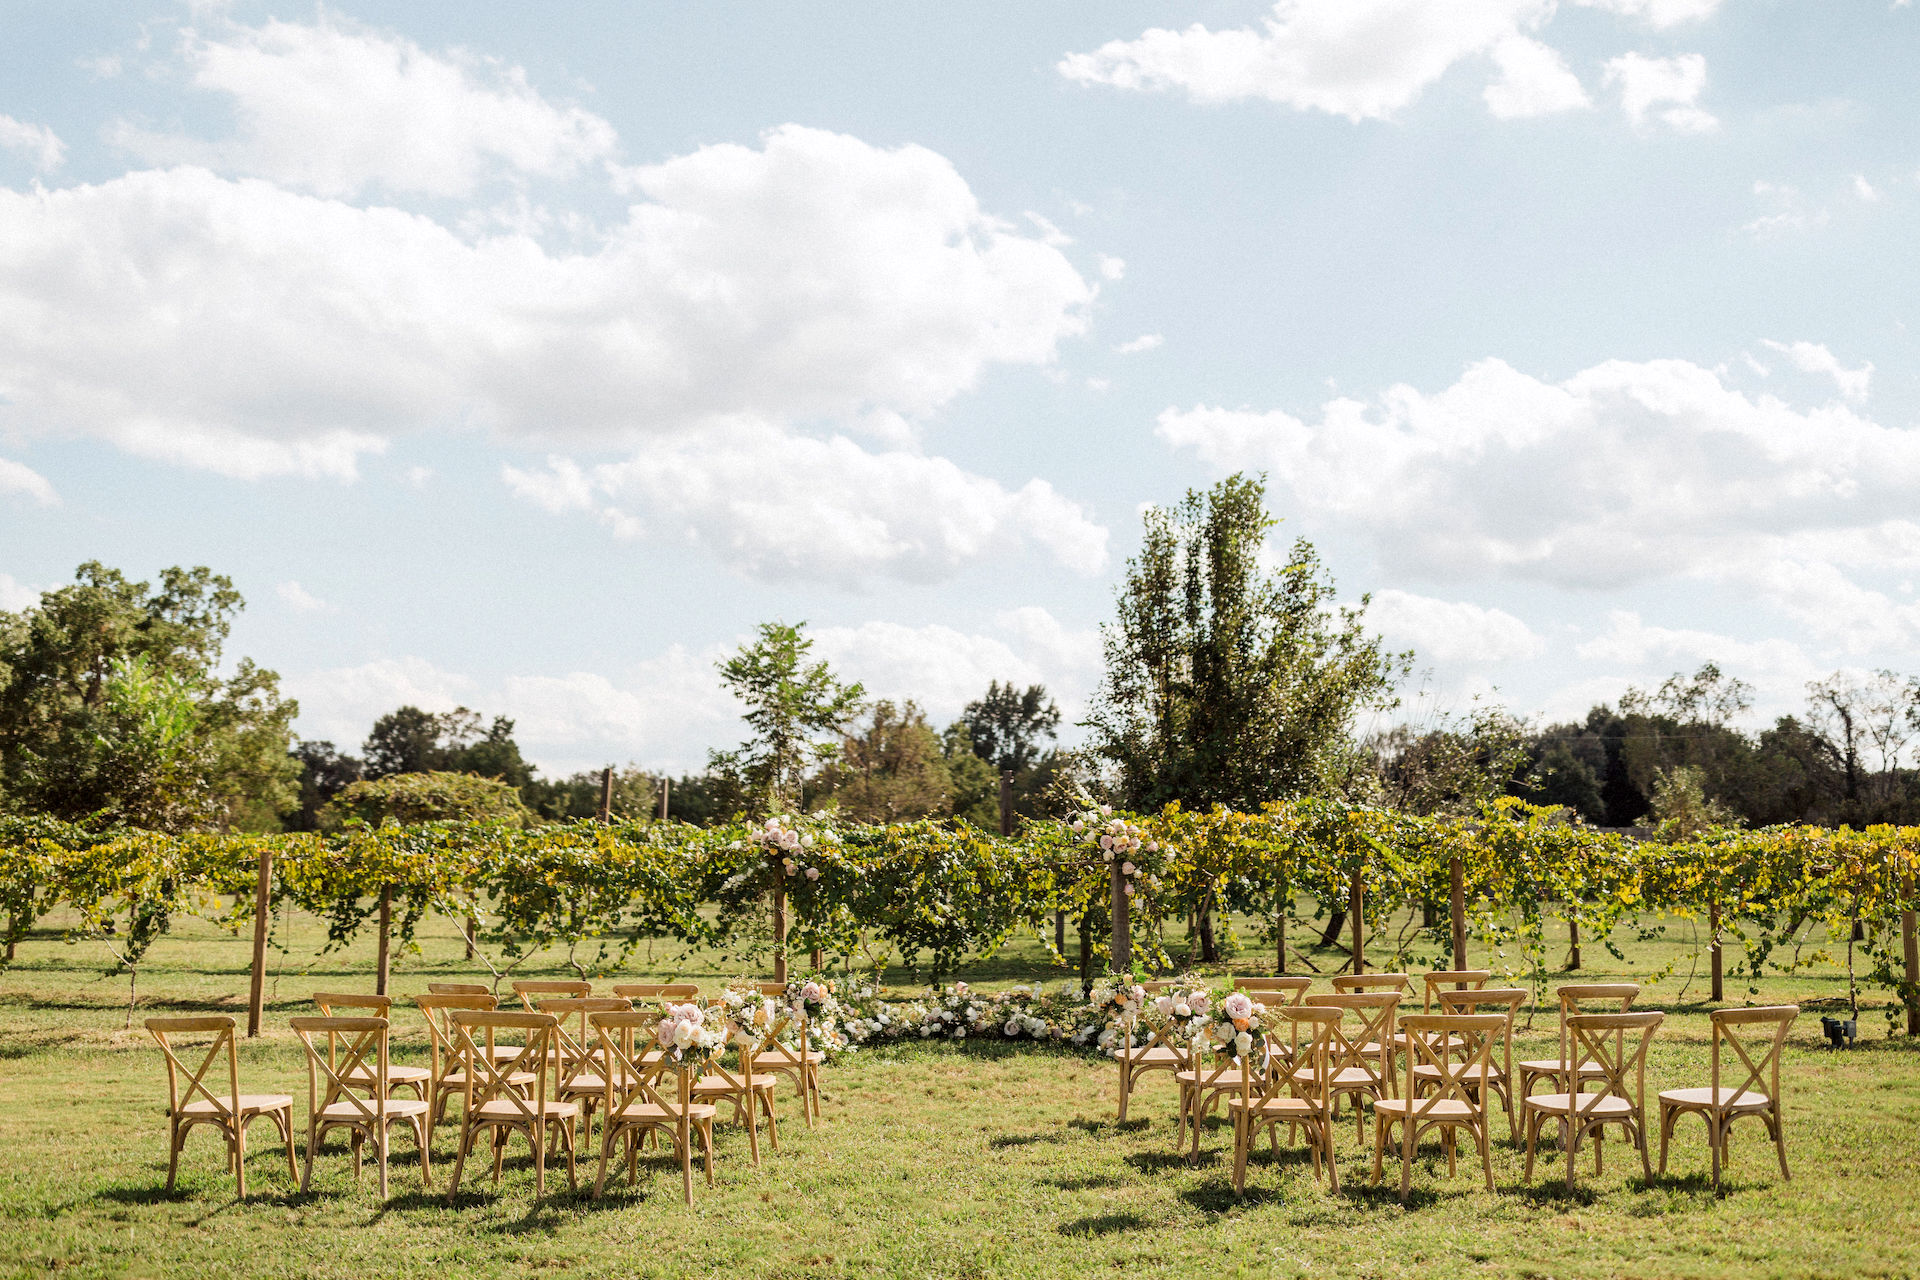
[1242, 1043]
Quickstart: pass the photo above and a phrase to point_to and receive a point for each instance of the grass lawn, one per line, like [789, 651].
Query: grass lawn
[933, 1160]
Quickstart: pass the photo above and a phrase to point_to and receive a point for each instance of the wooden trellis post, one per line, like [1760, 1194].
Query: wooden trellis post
[1713, 950]
[1356, 907]
[606, 796]
[1121, 960]
[1911, 945]
[1457, 906]
[256, 991]
[779, 920]
[384, 960]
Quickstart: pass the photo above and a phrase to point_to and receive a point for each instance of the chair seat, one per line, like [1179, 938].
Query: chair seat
[1717, 1099]
[586, 1082]
[1229, 1081]
[1158, 1056]
[647, 1112]
[1344, 1078]
[1281, 1107]
[501, 1109]
[1445, 1109]
[722, 1085]
[395, 1075]
[761, 1061]
[397, 1108]
[1590, 1104]
[1553, 1066]
[457, 1080]
[250, 1104]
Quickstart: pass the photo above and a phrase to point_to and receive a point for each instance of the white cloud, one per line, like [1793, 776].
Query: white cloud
[16, 595]
[1362, 59]
[1865, 191]
[777, 504]
[17, 477]
[1658, 13]
[1145, 342]
[298, 598]
[1624, 473]
[335, 109]
[36, 142]
[340, 705]
[1673, 85]
[1644, 654]
[1452, 631]
[1813, 357]
[1534, 81]
[202, 320]
[1790, 212]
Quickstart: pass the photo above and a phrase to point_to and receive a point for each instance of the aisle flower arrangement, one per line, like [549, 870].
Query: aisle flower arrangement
[692, 1034]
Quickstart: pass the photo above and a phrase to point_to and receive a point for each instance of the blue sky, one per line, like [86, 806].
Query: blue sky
[527, 358]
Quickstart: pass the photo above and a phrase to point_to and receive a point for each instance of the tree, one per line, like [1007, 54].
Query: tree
[1451, 766]
[410, 740]
[891, 769]
[578, 795]
[111, 705]
[1863, 725]
[324, 771]
[407, 798]
[1007, 727]
[791, 705]
[1226, 683]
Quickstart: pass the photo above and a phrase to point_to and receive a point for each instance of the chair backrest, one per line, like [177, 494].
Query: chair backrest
[489, 1079]
[1344, 983]
[195, 1081]
[1502, 1001]
[531, 991]
[574, 1044]
[376, 1006]
[1457, 1050]
[1376, 1013]
[630, 1085]
[1312, 1032]
[459, 989]
[1453, 980]
[657, 990]
[1617, 1044]
[1575, 997]
[775, 989]
[1278, 992]
[355, 1061]
[442, 1043]
[1764, 1030]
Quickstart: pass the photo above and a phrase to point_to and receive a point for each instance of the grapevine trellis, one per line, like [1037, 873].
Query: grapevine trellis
[934, 891]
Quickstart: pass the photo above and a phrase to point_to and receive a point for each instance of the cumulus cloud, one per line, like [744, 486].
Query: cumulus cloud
[17, 477]
[335, 109]
[777, 504]
[1362, 59]
[1663, 90]
[1145, 342]
[16, 595]
[1452, 631]
[668, 710]
[1624, 473]
[39, 144]
[1658, 13]
[1813, 357]
[1534, 81]
[298, 598]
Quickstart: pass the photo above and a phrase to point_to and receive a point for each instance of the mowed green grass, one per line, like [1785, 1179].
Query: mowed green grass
[932, 1160]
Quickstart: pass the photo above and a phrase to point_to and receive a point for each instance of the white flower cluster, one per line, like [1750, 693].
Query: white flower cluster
[690, 1030]
[959, 1013]
[778, 835]
[1118, 841]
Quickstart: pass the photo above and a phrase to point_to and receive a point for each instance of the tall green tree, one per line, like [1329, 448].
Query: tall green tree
[890, 768]
[112, 703]
[1225, 682]
[1009, 729]
[797, 711]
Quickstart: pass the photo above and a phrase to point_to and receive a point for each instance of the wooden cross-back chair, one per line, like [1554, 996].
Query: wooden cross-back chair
[1360, 1065]
[773, 990]
[459, 989]
[1576, 997]
[657, 1100]
[1285, 992]
[798, 1063]
[1757, 1094]
[190, 1100]
[579, 1068]
[1349, 983]
[496, 1105]
[449, 1081]
[1449, 1064]
[354, 1063]
[1617, 1044]
[657, 990]
[1431, 986]
[418, 1079]
[1300, 1099]
[1203, 1079]
[746, 1091]
[1505, 1003]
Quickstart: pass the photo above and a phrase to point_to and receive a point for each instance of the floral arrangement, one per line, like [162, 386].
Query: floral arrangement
[1119, 841]
[692, 1034]
[1239, 1025]
[781, 837]
[1182, 1013]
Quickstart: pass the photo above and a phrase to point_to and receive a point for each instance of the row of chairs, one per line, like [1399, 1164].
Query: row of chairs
[1457, 1059]
[543, 1070]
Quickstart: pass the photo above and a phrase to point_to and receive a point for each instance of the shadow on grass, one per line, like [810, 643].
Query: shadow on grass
[146, 1195]
[1023, 1140]
[1092, 1182]
[1161, 1161]
[1103, 1225]
[1217, 1196]
[1108, 1126]
[1555, 1194]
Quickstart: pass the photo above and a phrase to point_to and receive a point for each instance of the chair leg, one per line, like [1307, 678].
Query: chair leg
[1380, 1126]
[753, 1127]
[1486, 1150]
[539, 1134]
[1714, 1141]
[426, 1152]
[1408, 1139]
[706, 1137]
[240, 1157]
[685, 1143]
[573, 1180]
[381, 1141]
[1126, 1087]
[460, 1159]
[175, 1137]
[1779, 1142]
[1533, 1137]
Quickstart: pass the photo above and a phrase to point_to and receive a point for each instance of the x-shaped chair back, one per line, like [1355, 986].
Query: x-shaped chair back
[1504, 1002]
[1352, 983]
[1376, 1011]
[1451, 980]
[1617, 1044]
[355, 1060]
[1767, 1029]
[1457, 1050]
[1312, 1032]
[490, 1079]
[438, 1010]
[657, 990]
[575, 1049]
[1576, 996]
[629, 1084]
[1277, 993]
[532, 992]
[185, 1086]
